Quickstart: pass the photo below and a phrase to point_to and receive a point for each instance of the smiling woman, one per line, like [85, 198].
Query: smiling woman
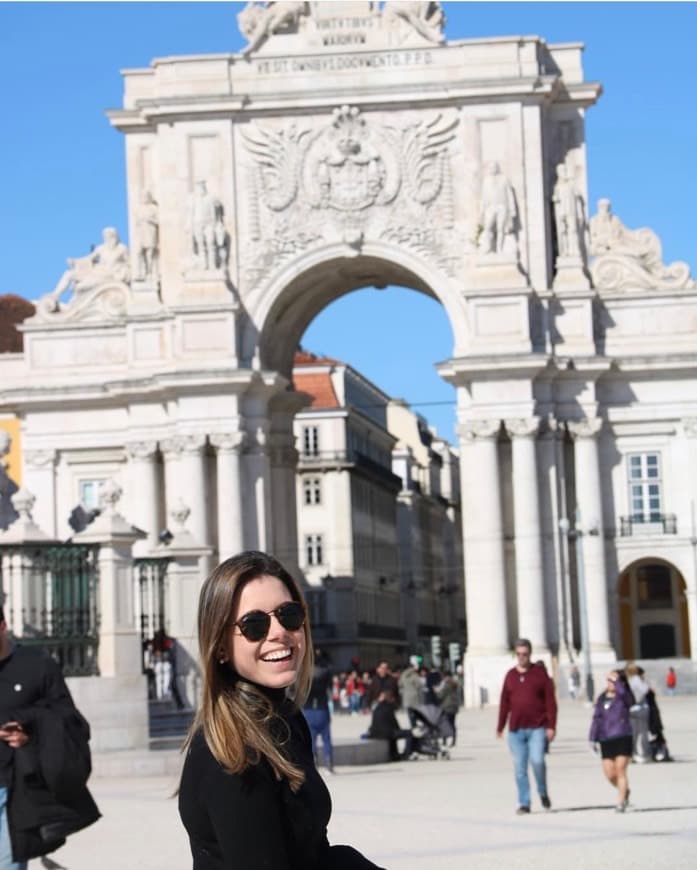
[250, 795]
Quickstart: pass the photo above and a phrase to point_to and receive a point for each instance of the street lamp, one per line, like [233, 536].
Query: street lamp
[577, 534]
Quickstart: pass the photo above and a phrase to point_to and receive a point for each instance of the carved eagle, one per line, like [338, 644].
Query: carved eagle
[277, 156]
[423, 144]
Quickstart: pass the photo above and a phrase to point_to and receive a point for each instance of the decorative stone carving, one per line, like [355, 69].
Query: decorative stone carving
[175, 446]
[523, 427]
[209, 238]
[180, 514]
[110, 493]
[8, 488]
[105, 266]
[141, 450]
[21, 528]
[630, 259]
[258, 21]
[569, 214]
[497, 214]
[147, 225]
[427, 19]
[352, 179]
[473, 429]
[690, 426]
[589, 427]
[37, 459]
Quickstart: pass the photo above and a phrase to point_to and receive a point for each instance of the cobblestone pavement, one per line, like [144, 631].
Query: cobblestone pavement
[450, 814]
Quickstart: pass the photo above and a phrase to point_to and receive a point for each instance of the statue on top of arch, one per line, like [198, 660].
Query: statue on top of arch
[260, 20]
[627, 259]
[105, 271]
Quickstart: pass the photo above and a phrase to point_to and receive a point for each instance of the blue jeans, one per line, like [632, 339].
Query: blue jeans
[6, 862]
[528, 745]
[319, 720]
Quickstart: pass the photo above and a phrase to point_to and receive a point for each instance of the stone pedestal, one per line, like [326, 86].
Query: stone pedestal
[498, 272]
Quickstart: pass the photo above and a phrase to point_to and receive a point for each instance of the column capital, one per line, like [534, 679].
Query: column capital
[142, 450]
[228, 442]
[689, 424]
[522, 427]
[586, 428]
[175, 446]
[40, 458]
[470, 430]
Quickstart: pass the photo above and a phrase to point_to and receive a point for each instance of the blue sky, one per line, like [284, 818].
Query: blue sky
[62, 165]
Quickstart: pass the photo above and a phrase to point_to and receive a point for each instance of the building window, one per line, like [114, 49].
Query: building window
[654, 587]
[644, 472]
[312, 490]
[313, 549]
[88, 493]
[310, 440]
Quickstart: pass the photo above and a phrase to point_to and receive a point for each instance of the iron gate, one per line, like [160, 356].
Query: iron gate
[50, 600]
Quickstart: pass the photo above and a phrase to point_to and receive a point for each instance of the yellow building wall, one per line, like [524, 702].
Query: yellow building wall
[14, 457]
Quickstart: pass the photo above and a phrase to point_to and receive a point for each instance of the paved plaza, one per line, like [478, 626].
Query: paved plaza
[449, 814]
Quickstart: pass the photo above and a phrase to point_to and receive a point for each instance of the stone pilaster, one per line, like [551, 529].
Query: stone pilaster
[39, 476]
[482, 522]
[228, 447]
[528, 549]
[690, 429]
[589, 504]
[257, 467]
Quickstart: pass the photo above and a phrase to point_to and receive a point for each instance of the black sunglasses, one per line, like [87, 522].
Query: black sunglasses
[255, 624]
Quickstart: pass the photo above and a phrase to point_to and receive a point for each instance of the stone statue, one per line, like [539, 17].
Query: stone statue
[427, 19]
[107, 263]
[627, 258]
[208, 234]
[497, 213]
[8, 487]
[258, 21]
[568, 214]
[147, 223]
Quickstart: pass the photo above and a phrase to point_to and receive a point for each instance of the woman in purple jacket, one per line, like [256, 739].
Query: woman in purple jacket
[612, 729]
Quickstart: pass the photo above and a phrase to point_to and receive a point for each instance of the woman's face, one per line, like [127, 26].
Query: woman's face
[275, 660]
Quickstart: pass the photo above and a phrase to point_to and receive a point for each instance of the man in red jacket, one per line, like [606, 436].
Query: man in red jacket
[528, 698]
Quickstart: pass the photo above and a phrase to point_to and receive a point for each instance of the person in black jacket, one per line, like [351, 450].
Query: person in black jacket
[44, 756]
[385, 726]
[250, 795]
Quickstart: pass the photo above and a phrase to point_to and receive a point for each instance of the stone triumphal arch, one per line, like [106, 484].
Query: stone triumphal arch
[350, 144]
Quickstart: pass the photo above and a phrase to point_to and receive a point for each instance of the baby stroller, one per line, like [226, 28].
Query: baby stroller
[431, 727]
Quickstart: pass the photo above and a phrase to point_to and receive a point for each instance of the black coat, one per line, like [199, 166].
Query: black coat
[48, 797]
[251, 821]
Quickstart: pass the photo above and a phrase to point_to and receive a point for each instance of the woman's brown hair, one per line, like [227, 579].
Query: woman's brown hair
[234, 716]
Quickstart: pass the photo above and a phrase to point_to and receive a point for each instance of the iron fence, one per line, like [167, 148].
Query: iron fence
[50, 600]
[151, 597]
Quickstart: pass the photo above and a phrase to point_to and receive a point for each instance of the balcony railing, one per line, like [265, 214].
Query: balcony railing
[648, 524]
[350, 459]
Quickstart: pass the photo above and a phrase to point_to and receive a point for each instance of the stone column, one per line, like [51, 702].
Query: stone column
[39, 477]
[185, 478]
[258, 483]
[589, 503]
[482, 523]
[528, 546]
[145, 501]
[284, 462]
[690, 429]
[172, 451]
[228, 447]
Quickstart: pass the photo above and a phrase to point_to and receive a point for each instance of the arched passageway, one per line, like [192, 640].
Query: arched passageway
[653, 611]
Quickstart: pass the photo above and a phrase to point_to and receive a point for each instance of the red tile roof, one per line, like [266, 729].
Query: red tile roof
[318, 385]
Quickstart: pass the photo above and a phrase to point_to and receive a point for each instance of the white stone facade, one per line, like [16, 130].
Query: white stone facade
[352, 146]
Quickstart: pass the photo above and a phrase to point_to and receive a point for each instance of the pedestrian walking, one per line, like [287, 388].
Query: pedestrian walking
[639, 713]
[411, 690]
[448, 693]
[250, 794]
[44, 756]
[316, 709]
[574, 682]
[671, 681]
[529, 706]
[611, 728]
